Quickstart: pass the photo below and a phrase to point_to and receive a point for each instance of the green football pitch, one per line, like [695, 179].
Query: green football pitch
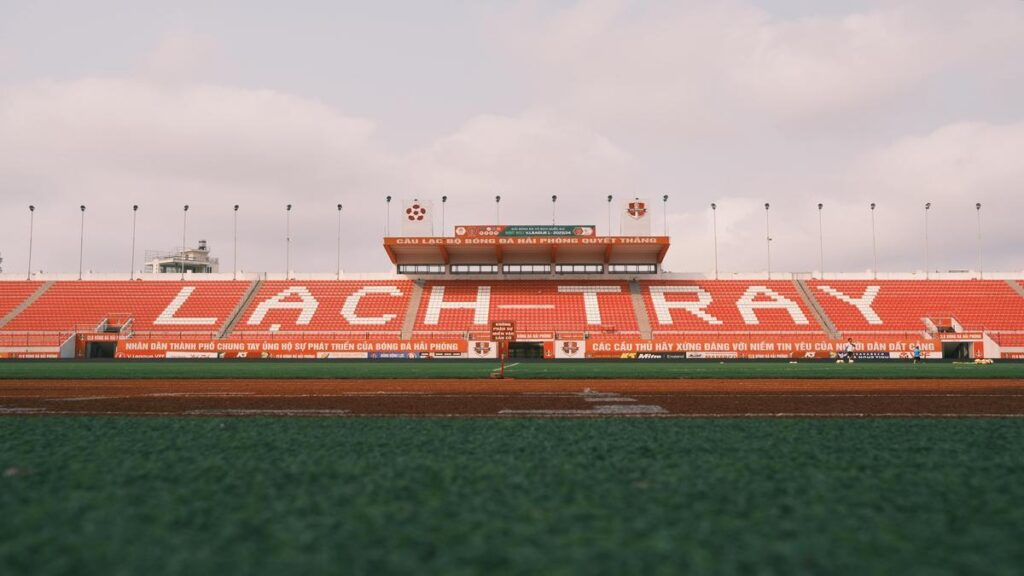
[615, 369]
[618, 496]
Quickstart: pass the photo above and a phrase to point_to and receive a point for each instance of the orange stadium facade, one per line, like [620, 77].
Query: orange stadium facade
[570, 293]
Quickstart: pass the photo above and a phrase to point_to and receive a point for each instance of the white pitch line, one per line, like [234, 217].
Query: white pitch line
[507, 366]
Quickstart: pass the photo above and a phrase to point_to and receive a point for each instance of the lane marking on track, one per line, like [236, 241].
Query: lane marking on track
[265, 412]
[612, 406]
[214, 394]
[609, 410]
[7, 410]
[825, 395]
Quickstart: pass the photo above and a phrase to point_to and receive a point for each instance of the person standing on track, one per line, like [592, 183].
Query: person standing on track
[916, 353]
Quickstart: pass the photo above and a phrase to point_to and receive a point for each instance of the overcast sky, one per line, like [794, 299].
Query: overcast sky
[262, 104]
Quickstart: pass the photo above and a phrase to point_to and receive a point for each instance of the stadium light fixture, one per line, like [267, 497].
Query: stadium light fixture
[234, 247]
[768, 236]
[981, 273]
[927, 246]
[31, 231]
[821, 244]
[497, 209]
[387, 222]
[81, 242]
[131, 270]
[714, 228]
[874, 245]
[554, 198]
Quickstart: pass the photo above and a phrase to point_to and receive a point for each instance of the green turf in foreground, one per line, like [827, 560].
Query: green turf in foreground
[624, 369]
[621, 496]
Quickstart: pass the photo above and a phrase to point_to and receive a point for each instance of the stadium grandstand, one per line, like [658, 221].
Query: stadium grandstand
[570, 292]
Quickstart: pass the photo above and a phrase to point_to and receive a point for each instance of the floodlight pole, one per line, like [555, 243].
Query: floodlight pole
[387, 222]
[927, 246]
[874, 245]
[821, 244]
[288, 242]
[81, 242]
[444, 201]
[339, 241]
[664, 215]
[234, 257]
[981, 273]
[714, 227]
[184, 228]
[768, 235]
[31, 232]
[554, 199]
[497, 208]
[609, 214]
[135, 212]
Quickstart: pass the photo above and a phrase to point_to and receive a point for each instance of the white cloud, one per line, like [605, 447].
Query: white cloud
[900, 103]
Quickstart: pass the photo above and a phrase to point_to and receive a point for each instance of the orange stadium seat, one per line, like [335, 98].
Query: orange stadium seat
[158, 306]
[13, 293]
[902, 305]
[676, 306]
[536, 306]
[365, 309]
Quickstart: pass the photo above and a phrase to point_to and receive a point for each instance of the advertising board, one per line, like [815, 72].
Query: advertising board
[512, 231]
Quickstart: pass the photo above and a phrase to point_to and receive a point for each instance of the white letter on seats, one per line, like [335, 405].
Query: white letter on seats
[747, 305]
[167, 316]
[862, 304]
[590, 305]
[481, 306]
[663, 308]
[307, 305]
[348, 310]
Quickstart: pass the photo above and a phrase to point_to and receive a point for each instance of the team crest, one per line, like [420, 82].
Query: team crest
[570, 347]
[636, 209]
[415, 213]
[482, 348]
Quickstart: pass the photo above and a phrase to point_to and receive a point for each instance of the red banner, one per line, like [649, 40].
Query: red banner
[299, 348]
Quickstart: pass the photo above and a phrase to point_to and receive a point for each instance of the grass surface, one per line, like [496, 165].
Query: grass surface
[617, 496]
[616, 369]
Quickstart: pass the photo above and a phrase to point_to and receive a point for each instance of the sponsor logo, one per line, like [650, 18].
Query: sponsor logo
[648, 356]
[708, 355]
[636, 209]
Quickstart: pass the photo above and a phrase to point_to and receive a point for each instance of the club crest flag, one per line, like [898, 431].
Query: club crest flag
[417, 218]
[636, 217]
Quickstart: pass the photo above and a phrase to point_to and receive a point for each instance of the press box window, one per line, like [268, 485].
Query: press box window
[579, 268]
[526, 268]
[474, 268]
[421, 269]
[633, 268]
